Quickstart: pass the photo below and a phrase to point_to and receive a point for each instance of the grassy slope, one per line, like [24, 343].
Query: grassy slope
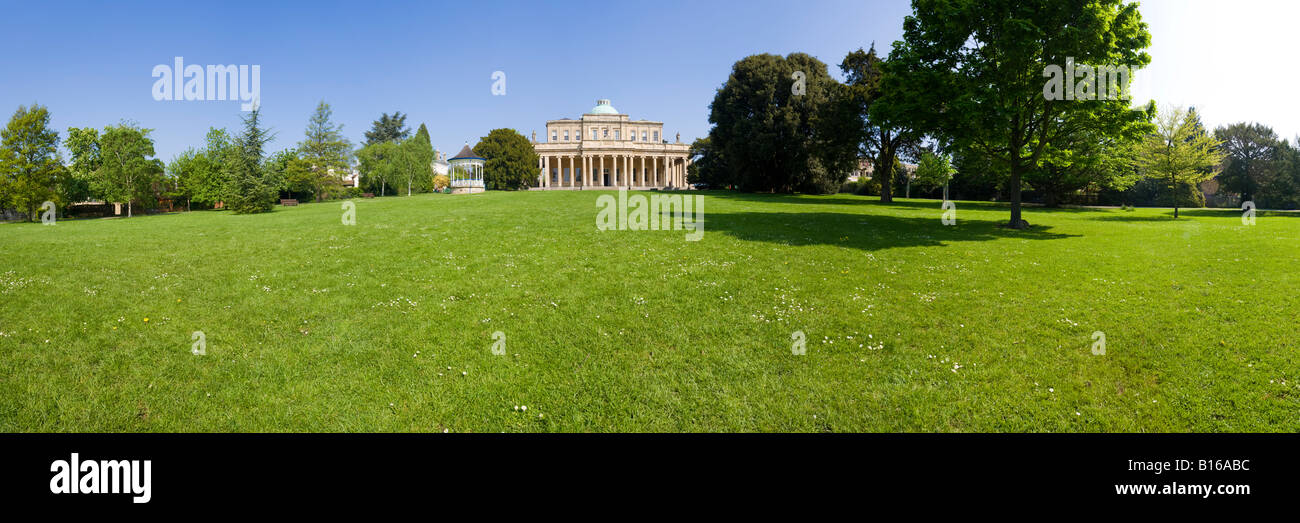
[312, 325]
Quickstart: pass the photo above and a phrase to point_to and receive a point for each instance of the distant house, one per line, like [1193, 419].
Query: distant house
[351, 178]
[864, 170]
[440, 165]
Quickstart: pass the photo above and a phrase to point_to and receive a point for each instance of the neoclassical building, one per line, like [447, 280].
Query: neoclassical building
[606, 149]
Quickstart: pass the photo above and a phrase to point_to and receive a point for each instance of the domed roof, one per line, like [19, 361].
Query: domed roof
[603, 107]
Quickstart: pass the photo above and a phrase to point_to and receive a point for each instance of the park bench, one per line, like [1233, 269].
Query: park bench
[288, 202]
[369, 195]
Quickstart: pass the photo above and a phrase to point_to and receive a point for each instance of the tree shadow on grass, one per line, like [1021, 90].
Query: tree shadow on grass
[1168, 215]
[863, 231]
[874, 201]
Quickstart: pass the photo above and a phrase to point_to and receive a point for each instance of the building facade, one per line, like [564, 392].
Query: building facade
[440, 165]
[604, 149]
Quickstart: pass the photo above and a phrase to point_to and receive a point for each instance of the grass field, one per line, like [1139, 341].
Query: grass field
[387, 325]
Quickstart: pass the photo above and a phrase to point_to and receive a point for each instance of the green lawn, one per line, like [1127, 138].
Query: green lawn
[911, 325]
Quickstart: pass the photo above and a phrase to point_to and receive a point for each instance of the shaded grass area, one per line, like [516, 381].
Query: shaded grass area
[910, 325]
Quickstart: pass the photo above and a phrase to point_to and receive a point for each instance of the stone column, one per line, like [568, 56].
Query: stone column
[546, 166]
[600, 171]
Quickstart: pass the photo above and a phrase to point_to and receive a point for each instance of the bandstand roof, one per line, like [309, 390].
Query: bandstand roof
[467, 154]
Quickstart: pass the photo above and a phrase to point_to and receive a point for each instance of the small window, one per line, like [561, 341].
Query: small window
[632, 136]
[656, 135]
[566, 136]
[643, 136]
[595, 135]
[616, 134]
[553, 138]
[606, 132]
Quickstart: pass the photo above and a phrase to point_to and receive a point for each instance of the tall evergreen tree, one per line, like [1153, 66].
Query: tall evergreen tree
[250, 192]
[325, 148]
[388, 129]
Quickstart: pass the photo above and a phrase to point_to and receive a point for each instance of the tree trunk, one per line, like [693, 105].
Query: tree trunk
[885, 171]
[1013, 185]
[1173, 183]
[128, 208]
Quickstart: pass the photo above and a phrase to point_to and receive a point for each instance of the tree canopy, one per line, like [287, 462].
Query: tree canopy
[779, 124]
[127, 171]
[30, 166]
[511, 161]
[971, 72]
[388, 129]
[1179, 152]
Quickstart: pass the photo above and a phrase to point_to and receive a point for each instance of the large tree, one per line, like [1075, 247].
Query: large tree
[324, 149]
[1283, 188]
[708, 166]
[1087, 160]
[250, 191]
[886, 134]
[1180, 152]
[83, 149]
[388, 129]
[379, 166]
[418, 161]
[1251, 154]
[30, 167]
[127, 170]
[511, 162]
[972, 72]
[783, 125]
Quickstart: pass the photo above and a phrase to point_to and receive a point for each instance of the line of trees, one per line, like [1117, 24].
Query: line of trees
[966, 82]
[233, 171]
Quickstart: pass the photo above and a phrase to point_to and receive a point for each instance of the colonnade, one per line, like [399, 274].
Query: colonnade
[611, 170]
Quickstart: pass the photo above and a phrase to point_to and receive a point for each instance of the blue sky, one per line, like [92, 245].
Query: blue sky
[91, 63]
